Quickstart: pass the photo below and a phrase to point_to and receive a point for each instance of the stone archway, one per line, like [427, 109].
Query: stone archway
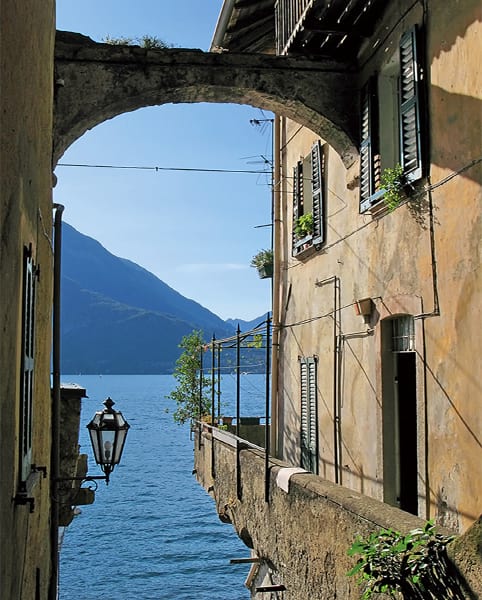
[95, 82]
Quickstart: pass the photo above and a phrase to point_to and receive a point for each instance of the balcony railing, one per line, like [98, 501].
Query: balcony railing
[290, 15]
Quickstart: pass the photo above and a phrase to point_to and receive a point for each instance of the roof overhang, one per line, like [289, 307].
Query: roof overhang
[245, 26]
[336, 30]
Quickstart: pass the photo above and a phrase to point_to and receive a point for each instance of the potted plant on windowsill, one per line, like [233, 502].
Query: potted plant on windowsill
[303, 229]
[263, 261]
[392, 182]
[304, 225]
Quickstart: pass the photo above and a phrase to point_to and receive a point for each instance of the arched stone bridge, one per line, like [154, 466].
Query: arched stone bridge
[95, 82]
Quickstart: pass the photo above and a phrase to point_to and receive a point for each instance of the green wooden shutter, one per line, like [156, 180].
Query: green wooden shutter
[26, 388]
[409, 110]
[317, 173]
[309, 416]
[305, 422]
[367, 146]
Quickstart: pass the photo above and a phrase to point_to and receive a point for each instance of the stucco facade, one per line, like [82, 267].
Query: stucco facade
[27, 44]
[421, 260]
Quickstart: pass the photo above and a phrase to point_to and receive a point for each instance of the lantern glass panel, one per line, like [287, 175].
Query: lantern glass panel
[107, 446]
[121, 438]
[94, 440]
[108, 421]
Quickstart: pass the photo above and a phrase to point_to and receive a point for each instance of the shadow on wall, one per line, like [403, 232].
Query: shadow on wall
[455, 132]
[452, 24]
[448, 150]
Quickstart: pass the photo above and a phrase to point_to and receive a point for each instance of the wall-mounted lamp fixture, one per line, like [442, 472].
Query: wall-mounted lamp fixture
[364, 308]
[108, 432]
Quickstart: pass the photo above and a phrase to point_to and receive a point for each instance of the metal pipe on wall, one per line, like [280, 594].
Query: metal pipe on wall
[55, 450]
[276, 294]
[266, 430]
[335, 280]
[336, 378]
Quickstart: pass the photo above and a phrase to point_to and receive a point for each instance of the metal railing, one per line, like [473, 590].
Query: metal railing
[260, 338]
[290, 15]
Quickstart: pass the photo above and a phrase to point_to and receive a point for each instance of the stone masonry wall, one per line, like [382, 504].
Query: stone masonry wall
[302, 535]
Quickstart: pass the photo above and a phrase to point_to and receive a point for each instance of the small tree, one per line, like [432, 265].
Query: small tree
[188, 373]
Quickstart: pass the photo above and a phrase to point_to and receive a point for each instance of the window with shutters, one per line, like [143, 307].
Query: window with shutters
[309, 414]
[27, 366]
[308, 202]
[391, 121]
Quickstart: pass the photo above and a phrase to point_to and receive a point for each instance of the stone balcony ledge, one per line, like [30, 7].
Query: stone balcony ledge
[301, 536]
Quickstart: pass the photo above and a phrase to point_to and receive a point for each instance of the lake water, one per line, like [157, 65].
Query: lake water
[153, 533]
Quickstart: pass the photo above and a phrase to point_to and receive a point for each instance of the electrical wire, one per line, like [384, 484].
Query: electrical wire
[156, 169]
[317, 318]
[424, 190]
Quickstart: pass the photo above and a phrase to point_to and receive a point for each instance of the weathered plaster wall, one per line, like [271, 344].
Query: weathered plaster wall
[454, 369]
[26, 57]
[427, 250]
[302, 535]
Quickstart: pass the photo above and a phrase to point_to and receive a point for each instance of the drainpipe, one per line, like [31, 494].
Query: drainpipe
[55, 452]
[336, 377]
[276, 287]
[222, 24]
[335, 280]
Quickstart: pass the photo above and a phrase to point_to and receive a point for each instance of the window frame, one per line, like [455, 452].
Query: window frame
[308, 192]
[30, 275]
[410, 123]
[309, 444]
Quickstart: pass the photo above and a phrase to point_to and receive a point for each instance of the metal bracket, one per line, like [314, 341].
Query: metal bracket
[38, 469]
[271, 588]
[250, 559]
[22, 499]
[85, 479]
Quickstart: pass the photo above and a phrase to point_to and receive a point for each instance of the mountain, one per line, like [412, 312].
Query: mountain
[118, 317]
[245, 325]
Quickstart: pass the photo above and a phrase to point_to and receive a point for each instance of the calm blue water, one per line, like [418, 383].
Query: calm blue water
[153, 533]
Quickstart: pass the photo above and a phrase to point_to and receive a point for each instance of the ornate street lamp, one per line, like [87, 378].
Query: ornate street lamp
[108, 432]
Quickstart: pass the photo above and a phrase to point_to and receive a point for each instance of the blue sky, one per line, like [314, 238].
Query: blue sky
[195, 231]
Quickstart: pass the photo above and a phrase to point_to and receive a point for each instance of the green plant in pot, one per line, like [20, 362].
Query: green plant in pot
[263, 261]
[304, 225]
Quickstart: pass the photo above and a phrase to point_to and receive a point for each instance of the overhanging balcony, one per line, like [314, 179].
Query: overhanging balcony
[334, 29]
